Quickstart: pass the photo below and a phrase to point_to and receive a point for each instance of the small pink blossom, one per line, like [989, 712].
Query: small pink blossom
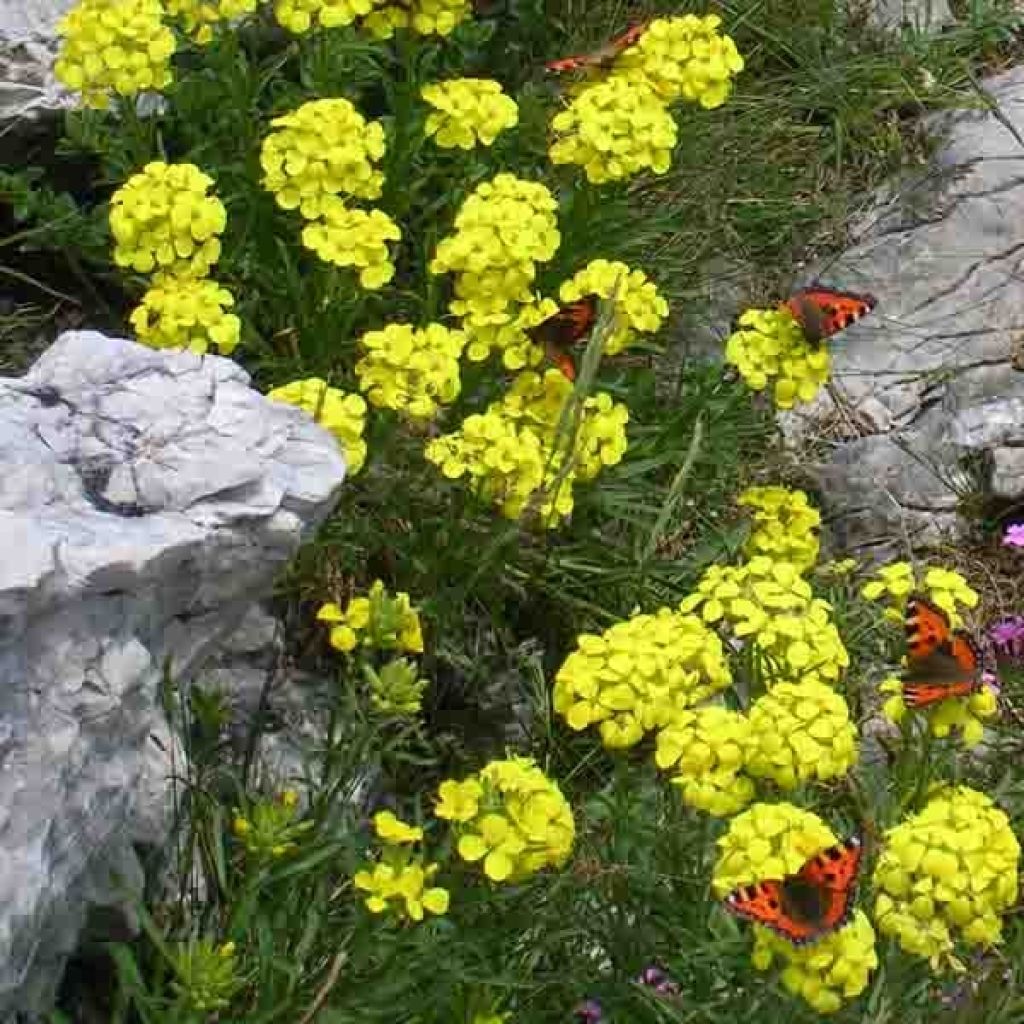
[1014, 536]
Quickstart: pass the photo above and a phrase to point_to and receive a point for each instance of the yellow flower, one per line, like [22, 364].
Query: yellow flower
[952, 867]
[468, 111]
[801, 732]
[205, 975]
[824, 973]
[766, 842]
[503, 229]
[199, 17]
[409, 369]
[966, 715]
[613, 130]
[341, 414]
[425, 17]
[683, 57]
[945, 588]
[269, 829]
[162, 219]
[392, 829]
[708, 748]
[638, 309]
[785, 525]
[321, 150]
[300, 16]
[509, 451]
[770, 344]
[769, 604]
[505, 331]
[521, 822]
[378, 621]
[354, 238]
[114, 46]
[186, 313]
[638, 675]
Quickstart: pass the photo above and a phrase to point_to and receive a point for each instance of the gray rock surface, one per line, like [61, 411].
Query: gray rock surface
[28, 45]
[147, 499]
[923, 15]
[931, 409]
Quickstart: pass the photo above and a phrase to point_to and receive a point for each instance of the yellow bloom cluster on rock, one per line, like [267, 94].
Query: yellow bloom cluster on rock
[343, 415]
[707, 749]
[199, 17]
[949, 870]
[377, 620]
[613, 130]
[836, 967]
[638, 308]
[683, 57]
[945, 588]
[409, 369]
[162, 219]
[164, 223]
[786, 525]
[769, 604]
[770, 344]
[114, 46]
[801, 732]
[186, 313]
[769, 842]
[511, 451]
[468, 112]
[511, 817]
[321, 151]
[502, 231]
[639, 675]
[398, 880]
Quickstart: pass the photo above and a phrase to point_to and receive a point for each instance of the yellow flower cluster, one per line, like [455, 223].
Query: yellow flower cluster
[502, 231]
[269, 828]
[769, 842]
[945, 588]
[411, 369]
[398, 879]
[950, 868]
[199, 17]
[396, 689]
[205, 975]
[801, 732]
[639, 675]
[186, 313]
[683, 57]
[378, 621]
[468, 111]
[509, 451]
[770, 345]
[708, 748]
[510, 816]
[826, 972]
[324, 148]
[300, 16]
[785, 525]
[966, 715]
[507, 331]
[163, 220]
[321, 151]
[639, 308]
[341, 414]
[613, 130]
[425, 17]
[769, 604]
[114, 46]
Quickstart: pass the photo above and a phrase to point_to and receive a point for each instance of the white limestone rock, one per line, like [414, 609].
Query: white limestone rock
[147, 499]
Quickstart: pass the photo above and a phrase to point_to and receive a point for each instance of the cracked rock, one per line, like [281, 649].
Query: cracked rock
[147, 499]
[927, 413]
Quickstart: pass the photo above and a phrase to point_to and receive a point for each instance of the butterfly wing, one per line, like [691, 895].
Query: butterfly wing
[601, 56]
[942, 662]
[822, 312]
[573, 322]
[802, 908]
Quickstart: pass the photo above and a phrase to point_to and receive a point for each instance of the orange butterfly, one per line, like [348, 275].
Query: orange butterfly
[822, 312]
[602, 56]
[806, 906]
[942, 662]
[562, 330]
